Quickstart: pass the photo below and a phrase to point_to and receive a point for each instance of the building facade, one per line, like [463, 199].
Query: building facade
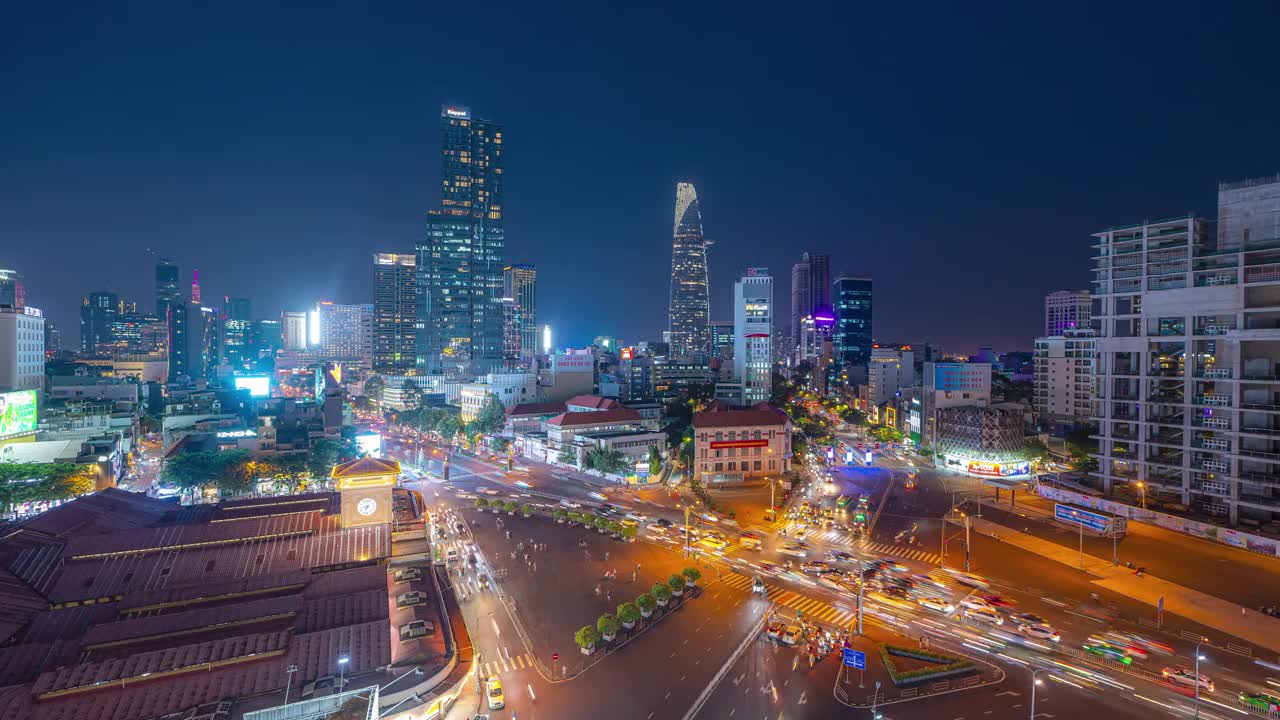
[520, 331]
[171, 306]
[810, 290]
[689, 311]
[459, 264]
[1188, 356]
[346, 332]
[852, 335]
[293, 328]
[732, 445]
[12, 293]
[951, 384]
[1066, 310]
[395, 312]
[21, 348]
[753, 336]
[98, 312]
[889, 371]
[1063, 392]
[237, 333]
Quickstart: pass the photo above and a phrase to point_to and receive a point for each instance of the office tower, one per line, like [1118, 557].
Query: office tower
[12, 294]
[195, 287]
[851, 336]
[690, 308]
[722, 340]
[1188, 356]
[267, 337]
[21, 348]
[209, 336]
[753, 336]
[890, 370]
[394, 312]
[810, 290]
[294, 330]
[171, 307]
[52, 339]
[98, 311]
[459, 264]
[237, 350]
[520, 284]
[346, 332]
[1063, 393]
[1066, 310]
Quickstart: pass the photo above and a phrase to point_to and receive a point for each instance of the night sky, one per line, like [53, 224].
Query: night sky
[960, 153]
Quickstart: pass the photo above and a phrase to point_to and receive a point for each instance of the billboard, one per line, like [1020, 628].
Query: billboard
[369, 443]
[628, 353]
[17, 413]
[1076, 516]
[982, 468]
[259, 386]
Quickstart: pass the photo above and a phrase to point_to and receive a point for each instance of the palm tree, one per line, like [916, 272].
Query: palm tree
[655, 461]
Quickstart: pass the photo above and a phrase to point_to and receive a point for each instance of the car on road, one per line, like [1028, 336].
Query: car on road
[794, 549]
[1103, 649]
[570, 504]
[984, 614]
[937, 604]
[451, 556]
[969, 579]
[1028, 619]
[1262, 701]
[814, 566]
[1185, 677]
[998, 601]
[493, 692]
[757, 585]
[973, 601]
[1127, 644]
[714, 542]
[774, 631]
[663, 522]
[839, 556]
[791, 636]
[1040, 632]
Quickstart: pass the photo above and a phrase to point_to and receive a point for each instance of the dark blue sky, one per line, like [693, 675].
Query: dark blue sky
[960, 153]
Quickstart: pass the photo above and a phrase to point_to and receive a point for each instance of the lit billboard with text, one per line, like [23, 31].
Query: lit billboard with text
[259, 386]
[17, 413]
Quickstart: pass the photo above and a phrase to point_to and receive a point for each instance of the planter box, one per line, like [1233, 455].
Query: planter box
[559, 521]
[677, 593]
[588, 651]
[526, 515]
[646, 614]
[662, 603]
[628, 625]
[608, 638]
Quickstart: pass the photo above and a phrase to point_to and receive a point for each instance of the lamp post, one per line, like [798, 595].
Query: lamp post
[686, 531]
[288, 685]
[1034, 682]
[1199, 657]
[1142, 490]
[862, 579]
[342, 671]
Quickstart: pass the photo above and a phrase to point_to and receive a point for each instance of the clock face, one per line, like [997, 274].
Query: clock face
[367, 506]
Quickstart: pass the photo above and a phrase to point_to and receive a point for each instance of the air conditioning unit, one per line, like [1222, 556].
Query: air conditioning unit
[408, 575]
[417, 629]
[410, 599]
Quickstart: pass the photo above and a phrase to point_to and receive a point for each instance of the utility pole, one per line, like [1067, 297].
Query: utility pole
[1082, 542]
[862, 577]
[1199, 657]
[967, 544]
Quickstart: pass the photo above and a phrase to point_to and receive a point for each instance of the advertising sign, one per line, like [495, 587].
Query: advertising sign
[738, 444]
[1076, 516]
[17, 413]
[867, 458]
[982, 468]
[369, 443]
[848, 457]
[259, 386]
[628, 353]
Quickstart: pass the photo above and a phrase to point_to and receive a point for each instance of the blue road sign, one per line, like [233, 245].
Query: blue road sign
[855, 659]
[1076, 516]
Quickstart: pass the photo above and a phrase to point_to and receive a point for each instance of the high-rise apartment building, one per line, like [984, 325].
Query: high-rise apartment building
[237, 333]
[173, 309]
[459, 264]
[753, 336]
[12, 294]
[1063, 392]
[395, 309]
[852, 334]
[951, 385]
[21, 348]
[293, 328]
[689, 312]
[889, 370]
[195, 287]
[810, 290]
[1066, 310]
[98, 311]
[346, 332]
[520, 286]
[1188, 355]
[208, 331]
[267, 337]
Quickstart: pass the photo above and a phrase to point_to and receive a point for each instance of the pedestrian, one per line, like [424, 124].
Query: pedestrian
[606, 556]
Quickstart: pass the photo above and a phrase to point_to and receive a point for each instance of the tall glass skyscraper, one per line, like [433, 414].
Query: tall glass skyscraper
[690, 309]
[395, 308]
[851, 339]
[810, 290]
[459, 264]
[237, 349]
[520, 285]
[171, 307]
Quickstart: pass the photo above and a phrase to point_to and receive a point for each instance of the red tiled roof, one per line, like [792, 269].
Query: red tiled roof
[206, 618]
[759, 414]
[365, 466]
[594, 402]
[595, 417]
[542, 408]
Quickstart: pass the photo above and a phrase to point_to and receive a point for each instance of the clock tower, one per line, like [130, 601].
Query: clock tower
[365, 486]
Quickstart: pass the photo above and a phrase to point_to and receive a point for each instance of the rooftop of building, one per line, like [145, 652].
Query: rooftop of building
[538, 408]
[719, 414]
[595, 417]
[124, 606]
[604, 434]
[593, 402]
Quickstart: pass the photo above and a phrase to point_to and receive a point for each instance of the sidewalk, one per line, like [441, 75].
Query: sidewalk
[1191, 604]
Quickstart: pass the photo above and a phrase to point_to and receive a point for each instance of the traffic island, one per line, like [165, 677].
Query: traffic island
[899, 672]
[908, 666]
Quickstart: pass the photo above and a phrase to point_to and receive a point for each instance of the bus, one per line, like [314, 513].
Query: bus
[842, 502]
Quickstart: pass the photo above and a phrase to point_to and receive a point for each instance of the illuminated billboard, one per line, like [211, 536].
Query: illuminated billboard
[17, 413]
[259, 386]
[628, 353]
[369, 444]
[982, 468]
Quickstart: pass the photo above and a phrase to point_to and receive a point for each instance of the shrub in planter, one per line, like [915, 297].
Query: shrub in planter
[481, 503]
[677, 585]
[587, 637]
[646, 604]
[575, 516]
[510, 506]
[526, 509]
[615, 527]
[630, 533]
[628, 614]
[661, 594]
[691, 576]
[601, 524]
[560, 514]
[608, 627]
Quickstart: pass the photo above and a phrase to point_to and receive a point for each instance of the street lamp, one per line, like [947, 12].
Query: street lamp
[290, 671]
[1034, 682]
[342, 668]
[1142, 489]
[1199, 657]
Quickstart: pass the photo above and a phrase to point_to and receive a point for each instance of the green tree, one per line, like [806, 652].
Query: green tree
[447, 425]
[645, 603]
[510, 506]
[411, 396]
[607, 625]
[586, 637]
[500, 444]
[655, 461]
[628, 613]
[322, 456]
[373, 388]
[492, 416]
[191, 471]
[568, 456]
[1085, 464]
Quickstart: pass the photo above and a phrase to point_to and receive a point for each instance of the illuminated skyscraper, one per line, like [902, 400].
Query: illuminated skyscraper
[459, 264]
[851, 342]
[753, 330]
[394, 312]
[171, 307]
[237, 341]
[810, 290]
[690, 309]
[519, 283]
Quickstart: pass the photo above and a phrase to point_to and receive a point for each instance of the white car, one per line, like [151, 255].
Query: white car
[973, 602]
[969, 579]
[796, 550]
[1040, 632]
[493, 691]
[984, 614]
[814, 566]
[1187, 678]
[937, 604]
[757, 586]
[791, 636]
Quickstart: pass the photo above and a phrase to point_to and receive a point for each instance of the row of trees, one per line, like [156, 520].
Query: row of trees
[237, 472]
[629, 613]
[43, 482]
[446, 423]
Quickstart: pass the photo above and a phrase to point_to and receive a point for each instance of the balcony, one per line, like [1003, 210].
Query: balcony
[1260, 477]
[1211, 443]
[1172, 283]
[1175, 420]
[1216, 279]
[1211, 488]
[1213, 466]
[1265, 502]
[1214, 373]
[1260, 430]
[1215, 329]
[1263, 273]
[1215, 423]
[1260, 454]
[1213, 400]
[1256, 406]
[1164, 372]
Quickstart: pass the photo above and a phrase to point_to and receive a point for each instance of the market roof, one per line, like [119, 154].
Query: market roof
[719, 415]
[539, 408]
[595, 417]
[594, 402]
